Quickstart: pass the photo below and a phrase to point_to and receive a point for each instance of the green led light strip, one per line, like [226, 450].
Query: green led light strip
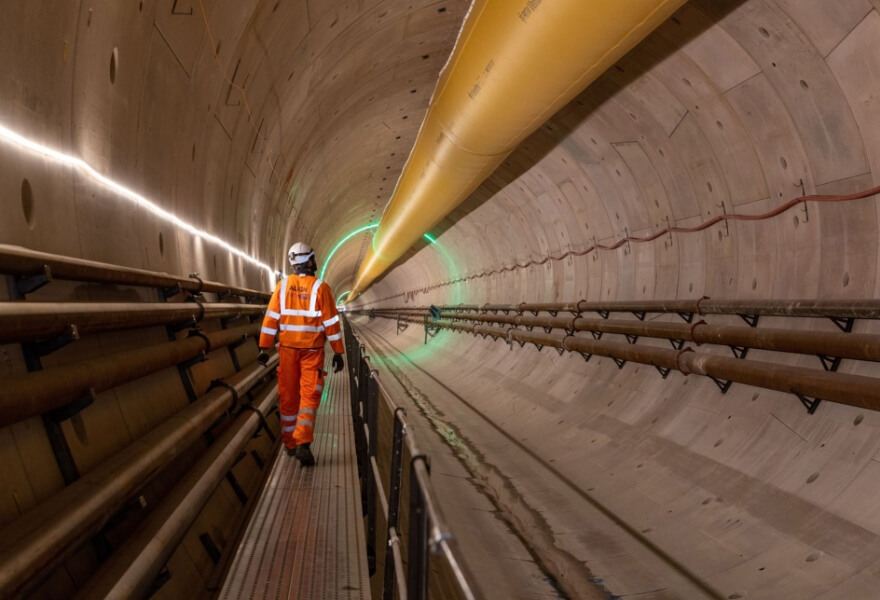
[348, 237]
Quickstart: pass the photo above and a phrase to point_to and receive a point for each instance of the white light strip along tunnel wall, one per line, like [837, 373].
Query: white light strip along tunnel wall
[58, 157]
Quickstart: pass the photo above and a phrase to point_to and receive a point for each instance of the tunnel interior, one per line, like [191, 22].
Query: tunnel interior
[266, 122]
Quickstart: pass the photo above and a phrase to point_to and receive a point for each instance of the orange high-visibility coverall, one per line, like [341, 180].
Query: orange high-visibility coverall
[302, 312]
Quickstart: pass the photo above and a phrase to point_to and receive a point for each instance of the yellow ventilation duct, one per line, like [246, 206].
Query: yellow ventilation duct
[516, 63]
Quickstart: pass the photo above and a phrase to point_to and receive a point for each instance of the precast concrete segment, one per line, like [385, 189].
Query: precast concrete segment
[34, 393]
[28, 321]
[43, 537]
[23, 262]
[132, 569]
[626, 239]
[306, 538]
[754, 527]
[539, 54]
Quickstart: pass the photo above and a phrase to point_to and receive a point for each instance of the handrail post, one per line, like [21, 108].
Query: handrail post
[350, 345]
[417, 556]
[357, 417]
[393, 500]
[427, 531]
[371, 409]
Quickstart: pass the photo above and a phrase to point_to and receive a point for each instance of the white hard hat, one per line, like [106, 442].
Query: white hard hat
[300, 253]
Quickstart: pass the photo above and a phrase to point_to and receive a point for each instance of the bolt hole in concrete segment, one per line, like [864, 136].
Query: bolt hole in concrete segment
[114, 59]
[27, 203]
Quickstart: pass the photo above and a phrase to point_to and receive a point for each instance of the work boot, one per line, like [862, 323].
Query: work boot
[290, 451]
[304, 455]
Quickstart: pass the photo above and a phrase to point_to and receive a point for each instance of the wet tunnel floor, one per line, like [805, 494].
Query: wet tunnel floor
[527, 526]
[508, 549]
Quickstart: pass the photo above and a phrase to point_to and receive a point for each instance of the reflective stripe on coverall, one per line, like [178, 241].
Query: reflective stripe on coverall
[300, 385]
[302, 312]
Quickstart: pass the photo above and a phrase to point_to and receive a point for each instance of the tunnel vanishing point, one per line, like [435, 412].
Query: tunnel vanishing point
[609, 282]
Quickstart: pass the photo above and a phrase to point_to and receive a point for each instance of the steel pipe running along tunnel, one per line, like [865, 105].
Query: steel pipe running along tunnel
[682, 193]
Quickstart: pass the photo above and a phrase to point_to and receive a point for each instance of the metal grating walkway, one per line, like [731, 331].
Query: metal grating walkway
[305, 539]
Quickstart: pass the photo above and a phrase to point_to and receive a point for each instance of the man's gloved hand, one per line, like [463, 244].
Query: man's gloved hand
[263, 357]
[337, 363]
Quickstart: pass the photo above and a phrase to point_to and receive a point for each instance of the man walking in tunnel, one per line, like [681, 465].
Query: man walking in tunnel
[302, 313]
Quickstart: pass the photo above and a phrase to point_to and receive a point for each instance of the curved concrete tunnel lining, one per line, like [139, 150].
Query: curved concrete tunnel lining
[126, 194]
[642, 473]
[824, 252]
[398, 126]
[623, 242]
[509, 71]
[68, 214]
[785, 191]
[757, 113]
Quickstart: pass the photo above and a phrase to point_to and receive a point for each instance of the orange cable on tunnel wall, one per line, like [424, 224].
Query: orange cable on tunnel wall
[649, 238]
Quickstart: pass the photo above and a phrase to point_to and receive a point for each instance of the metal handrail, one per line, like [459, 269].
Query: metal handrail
[441, 539]
[428, 528]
